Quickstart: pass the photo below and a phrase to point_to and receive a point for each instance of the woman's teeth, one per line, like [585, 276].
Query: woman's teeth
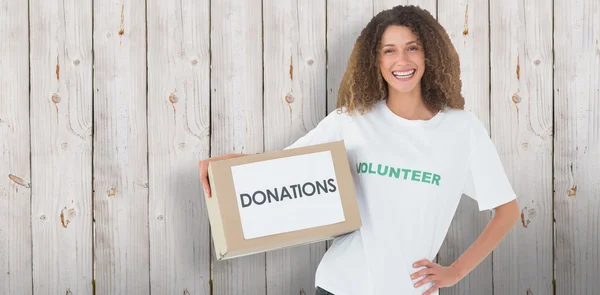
[404, 75]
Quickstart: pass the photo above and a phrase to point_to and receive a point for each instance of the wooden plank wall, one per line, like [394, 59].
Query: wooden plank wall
[577, 147]
[61, 61]
[521, 128]
[466, 23]
[107, 106]
[120, 166]
[294, 102]
[237, 116]
[178, 136]
[15, 166]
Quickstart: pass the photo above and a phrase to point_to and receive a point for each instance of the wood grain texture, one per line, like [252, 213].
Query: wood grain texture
[429, 5]
[178, 137]
[470, 36]
[61, 145]
[15, 173]
[521, 128]
[577, 147]
[121, 248]
[294, 103]
[345, 21]
[237, 117]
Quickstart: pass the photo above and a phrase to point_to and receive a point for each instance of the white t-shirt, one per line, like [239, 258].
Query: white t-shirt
[409, 176]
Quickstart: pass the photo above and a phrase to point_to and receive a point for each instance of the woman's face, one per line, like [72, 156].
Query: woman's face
[401, 60]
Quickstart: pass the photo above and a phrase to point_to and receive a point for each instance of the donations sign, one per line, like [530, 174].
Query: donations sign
[287, 194]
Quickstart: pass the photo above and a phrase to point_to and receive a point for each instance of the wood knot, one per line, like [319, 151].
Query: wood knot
[160, 217]
[310, 62]
[525, 218]
[173, 98]
[537, 62]
[573, 191]
[66, 215]
[289, 98]
[111, 192]
[76, 62]
[55, 98]
[194, 62]
[516, 98]
[18, 180]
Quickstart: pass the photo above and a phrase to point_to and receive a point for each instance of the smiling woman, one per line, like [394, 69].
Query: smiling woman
[402, 59]
[402, 90]
[392, 55]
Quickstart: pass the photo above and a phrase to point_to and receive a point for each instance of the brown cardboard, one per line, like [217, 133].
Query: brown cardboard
[228, 238]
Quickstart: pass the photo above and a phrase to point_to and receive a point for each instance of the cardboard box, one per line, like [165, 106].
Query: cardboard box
[281, 199]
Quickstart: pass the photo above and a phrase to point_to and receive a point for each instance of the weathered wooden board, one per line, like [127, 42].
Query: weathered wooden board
[178, 137]
[294, 103]
[15, 174]
[120, 165]
[521, 128]
[470, 36]
[577, 147]
[61, 145]
[345, 21]
[106, 108]
[237, 117]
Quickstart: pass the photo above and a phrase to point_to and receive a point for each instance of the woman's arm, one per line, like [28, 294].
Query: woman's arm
[504, 219]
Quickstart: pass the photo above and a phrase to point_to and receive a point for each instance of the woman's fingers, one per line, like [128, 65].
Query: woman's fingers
[431, 290]
[424, 262]
[204, 177]
[422, 273]
[426, 280]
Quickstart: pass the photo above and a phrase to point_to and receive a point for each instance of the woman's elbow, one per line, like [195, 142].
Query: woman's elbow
[510, 212]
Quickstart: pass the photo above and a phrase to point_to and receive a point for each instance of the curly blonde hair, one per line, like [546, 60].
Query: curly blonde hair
[363, 85]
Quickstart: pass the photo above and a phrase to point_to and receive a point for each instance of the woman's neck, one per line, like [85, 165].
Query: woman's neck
[409, 105]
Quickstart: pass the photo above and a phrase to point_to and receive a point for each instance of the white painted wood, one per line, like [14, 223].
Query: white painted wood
[178, 137]
[294, 103]
[470, 37]
[521, 128]
[345, 21]
[429, 5]
[15, 174]
[61, 145]
[152, 232]
[577, 146]
[120, 167]
[237, 117]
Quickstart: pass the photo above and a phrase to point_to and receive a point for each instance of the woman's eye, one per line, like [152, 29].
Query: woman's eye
[413, 48]
[387, 51]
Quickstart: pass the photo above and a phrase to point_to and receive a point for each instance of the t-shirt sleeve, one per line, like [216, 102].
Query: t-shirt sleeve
[486, 181]
[328, 130]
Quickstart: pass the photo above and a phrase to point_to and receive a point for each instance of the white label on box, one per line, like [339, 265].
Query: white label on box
[287, 194]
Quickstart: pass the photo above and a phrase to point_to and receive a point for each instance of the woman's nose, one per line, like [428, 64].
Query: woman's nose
[403, 60]
[401, 56]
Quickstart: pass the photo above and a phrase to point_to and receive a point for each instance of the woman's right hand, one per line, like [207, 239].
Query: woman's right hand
[203, 165]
